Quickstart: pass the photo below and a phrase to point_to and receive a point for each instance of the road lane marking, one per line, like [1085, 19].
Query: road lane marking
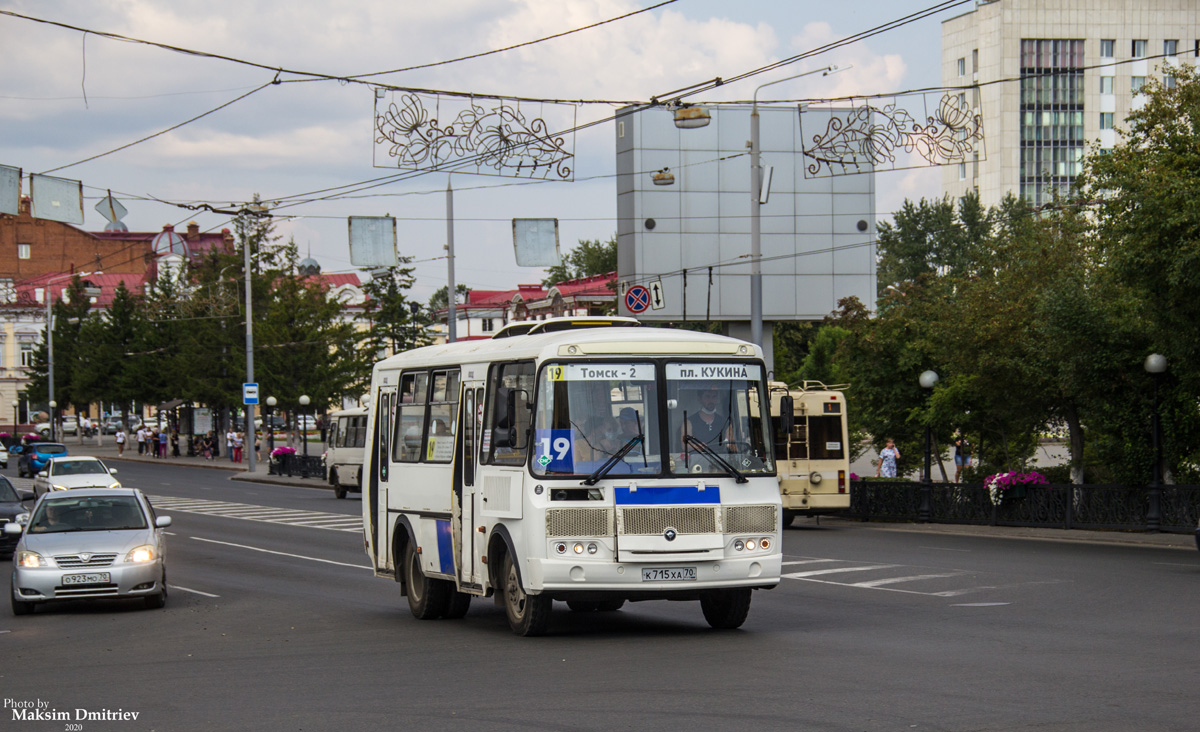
[912, 578]
[282, 554]
[839, 570]
[189, 589]
[809, 561]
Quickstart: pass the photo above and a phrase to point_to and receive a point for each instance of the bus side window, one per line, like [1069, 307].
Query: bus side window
[506, 437]
[443, 411]
[410, 427]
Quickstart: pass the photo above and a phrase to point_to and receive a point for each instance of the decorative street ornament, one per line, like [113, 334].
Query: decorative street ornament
[499, 139]
[870, 138]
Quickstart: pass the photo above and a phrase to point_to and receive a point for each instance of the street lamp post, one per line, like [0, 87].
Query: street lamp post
[16, 405]
[91, 291]
[928, 380]
[756, 315]
[1156, 366]
[271, 402]
[53, 406]
[304, 400]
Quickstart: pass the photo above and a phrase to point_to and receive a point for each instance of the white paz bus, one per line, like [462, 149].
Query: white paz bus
[582, 460]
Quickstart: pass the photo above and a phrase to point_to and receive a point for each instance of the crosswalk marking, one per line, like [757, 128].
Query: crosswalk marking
[899, 578]
[264, 514]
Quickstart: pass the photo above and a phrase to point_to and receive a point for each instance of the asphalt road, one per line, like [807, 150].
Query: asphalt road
[274, 622]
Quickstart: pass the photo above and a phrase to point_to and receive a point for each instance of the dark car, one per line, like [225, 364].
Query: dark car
[10, 508]
[35, 456]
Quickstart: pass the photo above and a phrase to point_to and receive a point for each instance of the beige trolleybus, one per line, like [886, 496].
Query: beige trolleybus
[581, 460]
[812, 448]
[344, 451]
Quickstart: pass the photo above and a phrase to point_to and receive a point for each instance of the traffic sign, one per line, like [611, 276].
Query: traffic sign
[637, 299]
[656, 295]
[249, 393]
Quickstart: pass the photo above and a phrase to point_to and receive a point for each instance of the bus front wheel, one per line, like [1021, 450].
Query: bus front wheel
[528, 615]
[726, 609]
[427, 598]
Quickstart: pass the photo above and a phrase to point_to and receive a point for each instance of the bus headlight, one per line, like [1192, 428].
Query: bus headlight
[739, 545]
[561, 547]
[578, 547]
[764, 543]
[592, 548]
[751, 545]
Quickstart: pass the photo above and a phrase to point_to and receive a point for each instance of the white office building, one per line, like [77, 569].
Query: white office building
[1055, 78]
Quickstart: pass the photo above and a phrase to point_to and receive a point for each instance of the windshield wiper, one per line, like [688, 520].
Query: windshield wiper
[711, 454]
[612, 461]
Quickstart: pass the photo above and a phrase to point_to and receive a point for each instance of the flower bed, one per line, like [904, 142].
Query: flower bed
[1011, 485]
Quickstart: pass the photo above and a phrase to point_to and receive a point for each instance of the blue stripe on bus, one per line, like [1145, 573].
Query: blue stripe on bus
[445, 547]
[666, 494]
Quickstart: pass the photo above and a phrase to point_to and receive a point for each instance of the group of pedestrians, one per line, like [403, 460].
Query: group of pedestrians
[151, 441]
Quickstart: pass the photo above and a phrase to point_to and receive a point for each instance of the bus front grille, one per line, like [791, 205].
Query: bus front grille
[651, 521]
[578, 522]
[750, 519]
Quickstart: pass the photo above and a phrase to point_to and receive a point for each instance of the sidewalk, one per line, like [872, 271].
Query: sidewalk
[237, 471]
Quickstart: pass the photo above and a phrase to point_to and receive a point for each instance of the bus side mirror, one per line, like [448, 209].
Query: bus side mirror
[787, 414]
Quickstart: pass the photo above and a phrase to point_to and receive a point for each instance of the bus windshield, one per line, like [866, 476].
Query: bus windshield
[587, 413]
[717, 418]
[596, 419]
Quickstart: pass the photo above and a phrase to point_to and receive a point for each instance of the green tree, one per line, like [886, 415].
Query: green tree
[589, 258]
[438, 301]
[396, 320]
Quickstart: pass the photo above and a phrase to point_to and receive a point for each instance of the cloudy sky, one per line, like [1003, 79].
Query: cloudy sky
[66, 95]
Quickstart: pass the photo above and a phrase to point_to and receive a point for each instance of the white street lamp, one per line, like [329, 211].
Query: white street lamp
[304, 401]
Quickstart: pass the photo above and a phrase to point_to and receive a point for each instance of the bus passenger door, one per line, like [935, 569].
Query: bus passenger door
[470, 426]
[379, 460]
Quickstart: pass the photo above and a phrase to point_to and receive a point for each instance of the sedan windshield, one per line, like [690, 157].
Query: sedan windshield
[77, 467]
[115, 513]
[597, 415]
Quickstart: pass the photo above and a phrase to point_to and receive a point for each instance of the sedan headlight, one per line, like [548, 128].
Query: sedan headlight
[31, 559]
[138, 555]
[114, 484]
[58, 487]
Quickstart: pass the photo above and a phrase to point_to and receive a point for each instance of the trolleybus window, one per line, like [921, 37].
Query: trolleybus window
[589, 414]
[718, 419]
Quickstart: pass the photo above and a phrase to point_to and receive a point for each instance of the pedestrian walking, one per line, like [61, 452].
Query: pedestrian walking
[238, 441]
[229, 444]
[163, 438]
[174, 443]
[962, 455]
[120, 438]
[888, 457]
[141, 439]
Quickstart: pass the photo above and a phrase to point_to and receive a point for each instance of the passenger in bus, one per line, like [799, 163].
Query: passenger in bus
[629, 423]
[708, 424]
[599, 440]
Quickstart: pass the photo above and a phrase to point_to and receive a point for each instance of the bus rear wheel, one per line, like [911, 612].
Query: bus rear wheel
[427, 598]
[459, 604]
[528, 615]
[726, 609]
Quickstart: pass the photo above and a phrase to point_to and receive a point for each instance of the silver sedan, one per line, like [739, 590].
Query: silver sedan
[72, 472]
[89, 544]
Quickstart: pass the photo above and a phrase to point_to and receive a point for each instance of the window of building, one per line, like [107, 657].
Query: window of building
[1108, 49]
[975, 61]
[1136, 83]
[1138, 49]
[1106, 120]
[962, 171]
[1106, 84]
[1169, 81]
[487, 325]
[1170, 48]
[23, 251]
[26, 354]
[962, 67]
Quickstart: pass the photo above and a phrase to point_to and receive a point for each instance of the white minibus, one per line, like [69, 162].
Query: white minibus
[581, 460]
[344, 450]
